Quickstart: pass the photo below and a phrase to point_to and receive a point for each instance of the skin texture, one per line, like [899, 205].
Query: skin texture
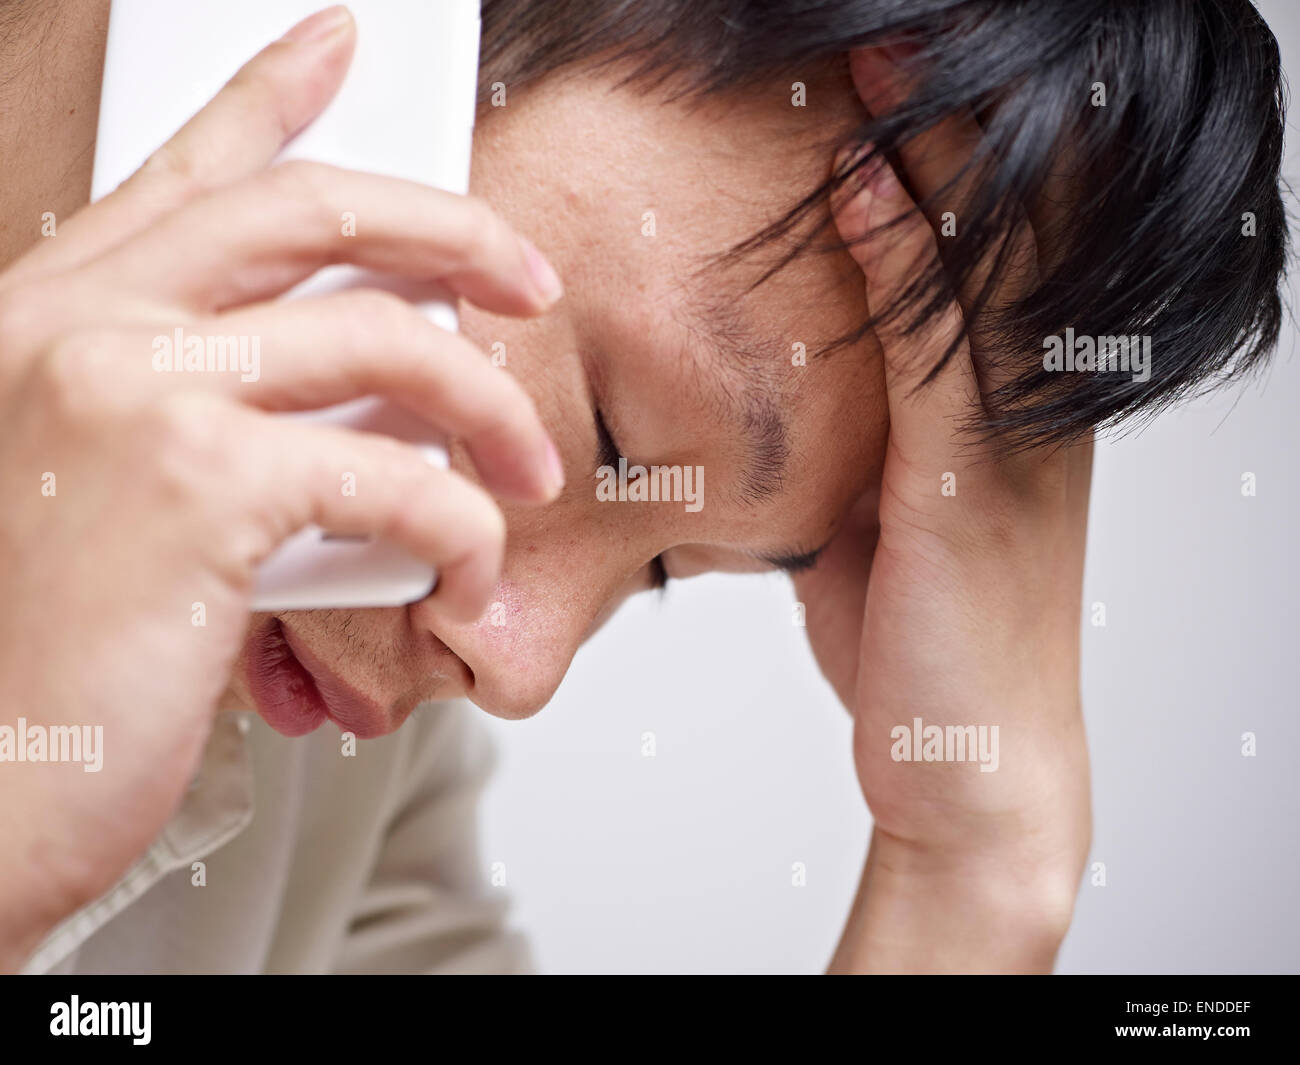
[970, 615]
[565, 161]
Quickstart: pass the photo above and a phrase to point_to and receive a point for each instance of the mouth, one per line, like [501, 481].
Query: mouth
[295, 692]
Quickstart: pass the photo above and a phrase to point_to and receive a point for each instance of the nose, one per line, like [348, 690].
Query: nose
[557, 585]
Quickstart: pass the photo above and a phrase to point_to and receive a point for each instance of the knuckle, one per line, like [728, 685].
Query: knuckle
[68, 375]
[385, 335]
[175, 169]
[367, 311]
[301, 182]
[298, 192]
[14, 320]
[202, 468]
[20, 313]
[252, 88]
[184, 432]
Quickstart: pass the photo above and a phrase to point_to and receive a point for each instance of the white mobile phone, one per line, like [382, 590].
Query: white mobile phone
[406, 109]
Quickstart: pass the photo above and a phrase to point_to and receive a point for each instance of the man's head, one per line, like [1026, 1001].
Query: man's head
[642, 146]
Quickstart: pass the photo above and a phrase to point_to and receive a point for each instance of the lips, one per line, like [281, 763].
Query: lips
[295, 692]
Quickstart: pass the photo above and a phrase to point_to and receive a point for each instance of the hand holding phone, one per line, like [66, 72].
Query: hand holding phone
[406, 109]
[139, 503]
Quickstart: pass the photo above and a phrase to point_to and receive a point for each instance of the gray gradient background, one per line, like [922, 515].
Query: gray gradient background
[682, 862]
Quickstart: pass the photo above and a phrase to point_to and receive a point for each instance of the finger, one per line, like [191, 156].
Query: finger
[936, 158]
[944, 165]
[313, 353]
[259, 238]
[925, 418]
[269, 100]
[435, 514]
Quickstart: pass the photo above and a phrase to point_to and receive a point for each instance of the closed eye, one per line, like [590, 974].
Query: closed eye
[607, 454]
[796, 562]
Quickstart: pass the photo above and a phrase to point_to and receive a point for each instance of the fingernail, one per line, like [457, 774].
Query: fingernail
[320, 25]
[543, 274]
[554, 468]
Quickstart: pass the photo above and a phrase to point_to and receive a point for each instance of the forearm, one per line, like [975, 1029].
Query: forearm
[926, 913]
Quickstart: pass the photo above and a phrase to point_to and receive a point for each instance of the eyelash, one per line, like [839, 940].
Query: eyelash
[609, 455]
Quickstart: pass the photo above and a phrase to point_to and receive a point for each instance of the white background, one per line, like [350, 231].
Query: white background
[682, 862]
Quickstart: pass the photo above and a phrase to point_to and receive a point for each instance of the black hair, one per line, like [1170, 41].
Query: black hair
[1177, 229]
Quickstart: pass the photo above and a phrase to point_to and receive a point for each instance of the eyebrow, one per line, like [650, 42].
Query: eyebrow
[740, 364]
[735, 352]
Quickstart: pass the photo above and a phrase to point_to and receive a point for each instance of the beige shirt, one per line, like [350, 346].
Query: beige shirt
[311, 862]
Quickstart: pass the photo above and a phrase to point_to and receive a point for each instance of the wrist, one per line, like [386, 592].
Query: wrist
[920, 910]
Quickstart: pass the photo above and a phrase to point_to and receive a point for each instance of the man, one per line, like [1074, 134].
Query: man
[829, 397]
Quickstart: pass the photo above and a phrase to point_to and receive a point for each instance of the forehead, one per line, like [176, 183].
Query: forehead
[635, 197]
[597, 147]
